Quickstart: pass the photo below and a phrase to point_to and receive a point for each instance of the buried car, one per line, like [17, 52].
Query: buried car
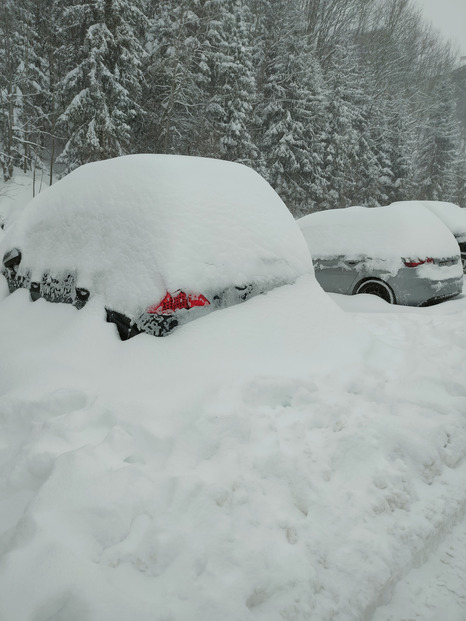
[162, 239]
[403, 255]
[454, 218]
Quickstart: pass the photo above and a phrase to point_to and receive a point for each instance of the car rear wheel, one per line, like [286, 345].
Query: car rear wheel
[378, 288]
[463, 261]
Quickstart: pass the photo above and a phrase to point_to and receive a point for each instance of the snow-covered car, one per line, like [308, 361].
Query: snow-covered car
[401, 253]
[163, 239]
[454, 217]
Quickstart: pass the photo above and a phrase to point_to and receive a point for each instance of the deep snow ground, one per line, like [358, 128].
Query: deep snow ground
[435, 590]
[295, 457]
[433, 586]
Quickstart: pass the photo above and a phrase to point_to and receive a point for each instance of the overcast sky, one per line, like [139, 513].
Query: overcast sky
[449, 16]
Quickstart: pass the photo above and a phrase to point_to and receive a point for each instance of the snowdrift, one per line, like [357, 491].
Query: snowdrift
[144, 479]
[271, 460]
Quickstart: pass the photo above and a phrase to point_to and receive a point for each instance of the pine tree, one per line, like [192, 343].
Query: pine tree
[291, 114]
[342, 144]
[440, 146]
[231, 86]
[374, 167]
[21, 80]
[102, 91]
[401, 148]
[177, 77]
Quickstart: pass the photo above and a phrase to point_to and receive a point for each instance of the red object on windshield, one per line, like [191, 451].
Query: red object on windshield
[416, 263]
[179, 300]
[197, 300]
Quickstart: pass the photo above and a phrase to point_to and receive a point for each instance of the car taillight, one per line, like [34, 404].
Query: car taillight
[179, 300]
[417, 262]
[197, 300]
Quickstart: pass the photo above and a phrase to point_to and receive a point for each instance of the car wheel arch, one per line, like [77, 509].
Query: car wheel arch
[375, 286]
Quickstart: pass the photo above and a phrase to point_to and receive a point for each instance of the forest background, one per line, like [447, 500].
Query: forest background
[334, 102]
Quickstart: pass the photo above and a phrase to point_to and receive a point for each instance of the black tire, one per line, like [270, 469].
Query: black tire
[126, 329]
[376, 287]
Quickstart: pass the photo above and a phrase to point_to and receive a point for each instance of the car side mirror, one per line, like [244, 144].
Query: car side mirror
[12, 259]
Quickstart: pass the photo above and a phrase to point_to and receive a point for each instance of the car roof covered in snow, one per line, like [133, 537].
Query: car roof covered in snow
[137, 226]
[391, 232]
[453, 216]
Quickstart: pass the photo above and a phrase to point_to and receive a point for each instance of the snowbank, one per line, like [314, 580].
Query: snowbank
[275, 460]
[389, 233]
[135, 227]
[144, 479]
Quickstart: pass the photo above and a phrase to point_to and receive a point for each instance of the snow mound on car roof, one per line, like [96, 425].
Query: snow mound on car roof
[453, 216]
[137, 226]
[391, 232]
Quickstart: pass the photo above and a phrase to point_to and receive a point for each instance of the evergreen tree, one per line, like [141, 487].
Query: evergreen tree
[177, 77]
[46, 19]
[440, 146]
[291, 114]
[21, 79]
[373, 171]
[345, 124]
[102, 91]
[401, 148]
[231, 86]
[237, 79]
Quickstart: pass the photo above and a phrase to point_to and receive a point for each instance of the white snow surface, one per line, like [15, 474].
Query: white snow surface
[390, 233]
[453, 216]
[293, 457]
[301, 456]
[134, 227]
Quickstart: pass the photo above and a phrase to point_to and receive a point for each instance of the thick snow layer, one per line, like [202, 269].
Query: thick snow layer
[404, 230]
[435, 590]
[453, 216]
[135, 227]
[297, 457]
[281, 459]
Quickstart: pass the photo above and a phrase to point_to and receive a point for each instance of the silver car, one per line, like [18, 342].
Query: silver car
[454, 217]
[400, 253]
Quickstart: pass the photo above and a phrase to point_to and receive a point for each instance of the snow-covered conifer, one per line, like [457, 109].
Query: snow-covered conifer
[345, 124]
[102, 90]
[176, 77]
[21, 81]
[231, 82]
[440, 145]
[291, 112]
